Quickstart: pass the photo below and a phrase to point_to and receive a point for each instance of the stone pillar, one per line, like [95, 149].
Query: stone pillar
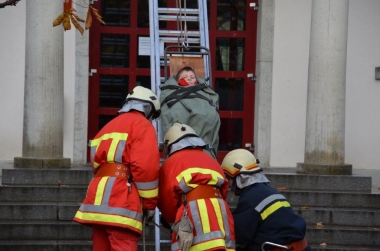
[81, 94]
[325, 118]
[264, 73]
[43, 96]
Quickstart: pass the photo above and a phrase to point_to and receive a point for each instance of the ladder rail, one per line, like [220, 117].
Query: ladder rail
[155, 77]
[159, 37]
[203, 27]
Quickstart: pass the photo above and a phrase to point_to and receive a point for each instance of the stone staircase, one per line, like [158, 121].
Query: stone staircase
[37, 207]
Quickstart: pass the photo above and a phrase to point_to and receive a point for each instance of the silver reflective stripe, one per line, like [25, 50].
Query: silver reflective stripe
[175, 246]
[231, 244]
[196, 218]
[268, 200]
[119, 151]
[110, 210]
[93, 151]
[207, 237]
[184, 187]
[147, 185]
[225, 220]
[220, 182]
[108, 190]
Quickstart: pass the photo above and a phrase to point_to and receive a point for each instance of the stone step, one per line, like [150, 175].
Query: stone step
[341, 217]
[67, 246]
[57, 230]
[343, 235]
[62, 211]
[65, 212]
[66, 193]
[150, 246]
[343, 248]
[337, 216]
[324, 199]
[295, 181]
[43, 176]
[53, 230]
[83, 175]
[63, 193]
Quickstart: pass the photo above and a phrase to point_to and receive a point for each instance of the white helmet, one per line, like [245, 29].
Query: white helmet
[240, 161]
[180, 136]
[146, 95]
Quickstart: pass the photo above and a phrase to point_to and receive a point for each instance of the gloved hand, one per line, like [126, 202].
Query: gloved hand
[184, 230]
[148, 215]
[185, 240]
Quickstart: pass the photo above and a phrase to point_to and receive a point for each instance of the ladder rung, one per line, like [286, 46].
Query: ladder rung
[175, 18]
[177, 11]
[175, 40]
[178, 33]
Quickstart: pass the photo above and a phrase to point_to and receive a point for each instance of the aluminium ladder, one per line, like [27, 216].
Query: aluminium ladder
[161, 37]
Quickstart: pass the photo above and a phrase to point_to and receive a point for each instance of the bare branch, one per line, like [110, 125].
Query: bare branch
[9, 2]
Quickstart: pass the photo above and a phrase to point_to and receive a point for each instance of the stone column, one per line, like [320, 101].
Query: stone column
[81, 94]
[43, 96]
[264, 73]
[325, 118]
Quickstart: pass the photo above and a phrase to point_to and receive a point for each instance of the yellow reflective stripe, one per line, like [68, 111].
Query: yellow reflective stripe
[230, 249]
[100, 191]
[186, 175]
[116, 137]
[209, 245]
[148, 193]
[203, 216]
[109, 218]
[273, 208]
[219, 215]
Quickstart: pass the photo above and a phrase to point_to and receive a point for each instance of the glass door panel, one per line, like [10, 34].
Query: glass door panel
[233, 39]
[115, 61]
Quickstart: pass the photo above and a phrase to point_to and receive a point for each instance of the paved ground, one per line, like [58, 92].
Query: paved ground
[375, 174]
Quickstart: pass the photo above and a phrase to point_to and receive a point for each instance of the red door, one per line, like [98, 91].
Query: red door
[118, 65]
[115, 59]
[232, 28]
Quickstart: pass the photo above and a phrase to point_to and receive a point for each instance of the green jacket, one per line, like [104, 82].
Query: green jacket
[196, 106]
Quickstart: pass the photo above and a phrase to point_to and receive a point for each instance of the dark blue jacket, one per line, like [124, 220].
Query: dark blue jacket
[263, 214]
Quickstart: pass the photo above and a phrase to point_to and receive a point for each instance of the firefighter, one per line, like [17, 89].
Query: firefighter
[125, 161]
[193, 191]
[262, 213]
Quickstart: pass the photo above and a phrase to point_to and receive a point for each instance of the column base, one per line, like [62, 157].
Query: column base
[31, 162]
[305, 168]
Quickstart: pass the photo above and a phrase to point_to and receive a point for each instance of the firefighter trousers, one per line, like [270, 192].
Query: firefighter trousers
[109, 238]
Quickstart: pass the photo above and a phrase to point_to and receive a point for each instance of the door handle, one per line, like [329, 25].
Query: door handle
[250, 146]
[251, 76]
[92, 71]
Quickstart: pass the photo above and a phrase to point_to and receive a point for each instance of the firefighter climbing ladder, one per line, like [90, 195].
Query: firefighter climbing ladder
[180, 38]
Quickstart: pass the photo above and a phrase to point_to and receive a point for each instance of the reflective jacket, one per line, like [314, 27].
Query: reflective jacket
[263, 214]
[213, 223]
[129, 139]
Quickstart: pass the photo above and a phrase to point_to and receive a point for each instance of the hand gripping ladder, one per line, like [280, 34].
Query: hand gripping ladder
[161, 38]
